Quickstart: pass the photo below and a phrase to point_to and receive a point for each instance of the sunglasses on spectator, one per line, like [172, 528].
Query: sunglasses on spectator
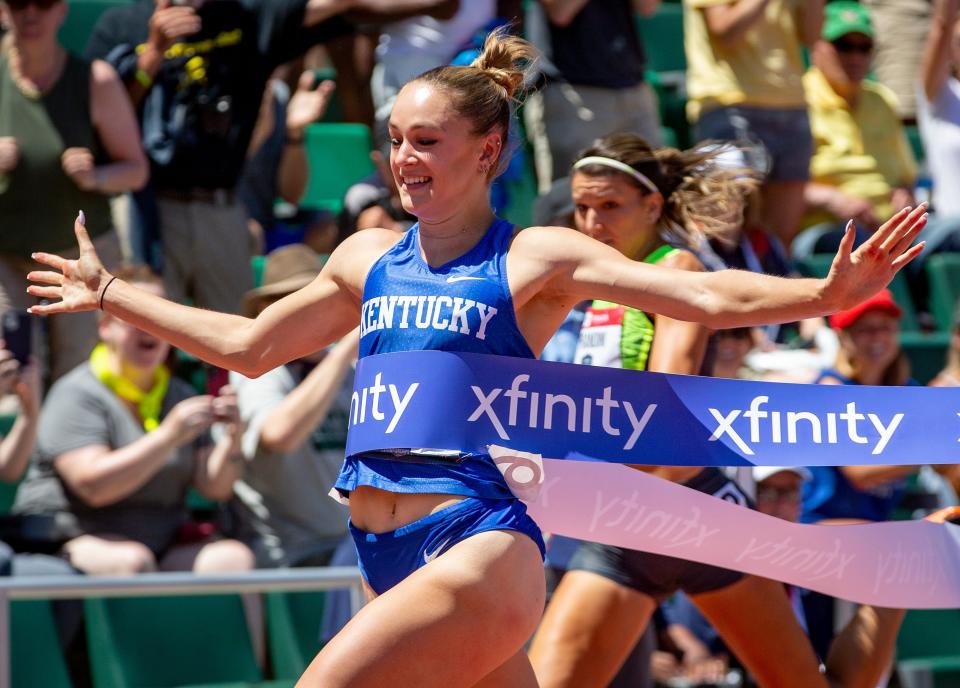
[18, 5]
[847, 46]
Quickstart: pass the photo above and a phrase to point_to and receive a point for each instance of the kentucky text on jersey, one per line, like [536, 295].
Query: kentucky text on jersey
[422, 312]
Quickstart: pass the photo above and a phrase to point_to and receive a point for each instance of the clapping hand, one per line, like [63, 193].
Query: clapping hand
[78, 164]
[9, 154]
[857, 275]
[169, 23]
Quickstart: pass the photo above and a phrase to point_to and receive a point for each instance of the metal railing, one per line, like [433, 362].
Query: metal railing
[158, 584]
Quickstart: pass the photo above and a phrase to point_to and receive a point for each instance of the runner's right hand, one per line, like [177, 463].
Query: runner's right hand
[74, 285]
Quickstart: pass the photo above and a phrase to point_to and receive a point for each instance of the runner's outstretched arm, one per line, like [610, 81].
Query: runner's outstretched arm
[582, 268]
[295, 326]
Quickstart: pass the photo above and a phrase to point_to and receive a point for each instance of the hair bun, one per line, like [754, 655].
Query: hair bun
[508, 80]
[505, 59]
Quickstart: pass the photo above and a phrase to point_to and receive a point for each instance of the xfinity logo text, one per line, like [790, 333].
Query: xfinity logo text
[814, 428]
[365, 397]
[525, 408]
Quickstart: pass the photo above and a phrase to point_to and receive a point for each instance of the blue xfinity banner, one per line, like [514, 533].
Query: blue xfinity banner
[466, 402]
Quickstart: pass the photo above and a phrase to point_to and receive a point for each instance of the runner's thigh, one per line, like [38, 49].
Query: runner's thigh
[450, 623]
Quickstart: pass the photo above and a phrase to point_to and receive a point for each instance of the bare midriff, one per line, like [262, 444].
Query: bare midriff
[378, 511]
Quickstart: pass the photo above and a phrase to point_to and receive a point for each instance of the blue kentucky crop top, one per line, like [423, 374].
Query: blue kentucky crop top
[463, 305]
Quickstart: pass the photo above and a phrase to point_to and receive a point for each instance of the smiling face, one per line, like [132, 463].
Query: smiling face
[437, 161]
[134, 348]
[873, 339]
[612, 210]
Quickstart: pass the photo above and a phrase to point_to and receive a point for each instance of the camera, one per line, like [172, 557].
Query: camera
[18, 334]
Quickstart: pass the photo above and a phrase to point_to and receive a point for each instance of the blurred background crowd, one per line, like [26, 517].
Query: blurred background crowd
[220, 149]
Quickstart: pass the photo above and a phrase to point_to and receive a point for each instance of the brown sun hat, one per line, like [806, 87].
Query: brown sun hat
[286, 270]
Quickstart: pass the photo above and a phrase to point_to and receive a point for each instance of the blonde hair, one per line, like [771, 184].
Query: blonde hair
[485, 92]
[699, 195]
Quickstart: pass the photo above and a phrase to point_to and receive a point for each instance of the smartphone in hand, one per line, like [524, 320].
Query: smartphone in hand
[18, 334]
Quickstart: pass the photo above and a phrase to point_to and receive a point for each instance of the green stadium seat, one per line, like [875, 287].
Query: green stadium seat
[927, 353]
[662, 36]
[818, 265]
[916, 143]
[943, 275]
[928, 649]
[161, 642]
[258, 263]
[82, 16]
[37, 659]
[338, 155]
[7, 490]
[293, 630]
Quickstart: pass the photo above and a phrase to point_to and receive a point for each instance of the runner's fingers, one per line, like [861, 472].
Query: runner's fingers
[45, 292]
[909, 235]
[903, 228]
[50, 259]
[48, 308]
[83, 237]
[45, 277]
[887, 229]
[909, 255]
[846, 244]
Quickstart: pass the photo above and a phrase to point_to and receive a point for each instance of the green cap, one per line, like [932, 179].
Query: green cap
[843, 17]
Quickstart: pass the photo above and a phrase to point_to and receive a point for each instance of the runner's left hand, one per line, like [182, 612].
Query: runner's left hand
[855, 276]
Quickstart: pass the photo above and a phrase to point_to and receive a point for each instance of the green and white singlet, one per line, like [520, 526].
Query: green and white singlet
[617, 336]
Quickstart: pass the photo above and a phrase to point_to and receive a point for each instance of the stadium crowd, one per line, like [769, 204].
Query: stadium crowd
[190, 132]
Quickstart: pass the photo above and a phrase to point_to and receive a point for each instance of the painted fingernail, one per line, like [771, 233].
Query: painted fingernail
[82, 218]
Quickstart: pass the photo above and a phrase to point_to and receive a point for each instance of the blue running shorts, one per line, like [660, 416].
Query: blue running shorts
[387, 558]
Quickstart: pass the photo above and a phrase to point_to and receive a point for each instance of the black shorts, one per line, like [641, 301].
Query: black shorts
[657, 575]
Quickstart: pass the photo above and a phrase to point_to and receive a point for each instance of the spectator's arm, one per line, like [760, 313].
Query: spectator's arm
[561, 12]
[219, 468]
[646, 8]
[730, 21]
[292, 421]
[306, 106]
[866, 477]
[116, 124]
[378, 11]
[680, 345]
[811, 22]
[834, 201]
[17, 446]
[936, 55]
[100, 476]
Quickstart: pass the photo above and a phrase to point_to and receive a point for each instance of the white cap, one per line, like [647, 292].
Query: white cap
[761, 473]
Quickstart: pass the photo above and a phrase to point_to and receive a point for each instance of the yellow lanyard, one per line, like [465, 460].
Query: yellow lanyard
[148, 403]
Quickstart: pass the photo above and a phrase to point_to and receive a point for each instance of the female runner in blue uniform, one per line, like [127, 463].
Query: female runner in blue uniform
[462, 280]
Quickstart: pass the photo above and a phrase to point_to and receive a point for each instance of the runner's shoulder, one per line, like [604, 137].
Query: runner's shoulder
[358, 252]
[682, 259]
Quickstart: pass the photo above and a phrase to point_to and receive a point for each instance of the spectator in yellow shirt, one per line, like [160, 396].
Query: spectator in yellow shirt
[744, 82]
[862, 166]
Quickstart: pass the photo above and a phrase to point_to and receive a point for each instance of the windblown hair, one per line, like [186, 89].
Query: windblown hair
[486, 91]
[701, 197]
